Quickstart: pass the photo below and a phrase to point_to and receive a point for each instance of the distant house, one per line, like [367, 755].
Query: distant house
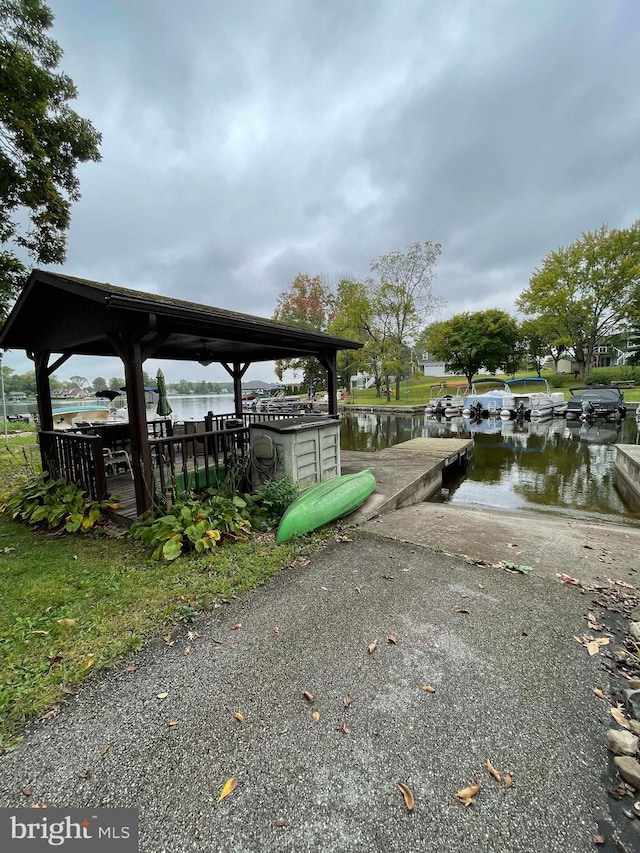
[432, 366]
[606, 354]
[13, 396]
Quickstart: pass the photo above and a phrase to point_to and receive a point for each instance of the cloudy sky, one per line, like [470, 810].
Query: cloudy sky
[245, 141]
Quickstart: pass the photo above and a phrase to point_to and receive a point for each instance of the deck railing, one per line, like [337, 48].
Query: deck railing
[76, 458]
[198, 460]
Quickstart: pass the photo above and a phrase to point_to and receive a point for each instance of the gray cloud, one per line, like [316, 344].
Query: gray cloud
[245, 142]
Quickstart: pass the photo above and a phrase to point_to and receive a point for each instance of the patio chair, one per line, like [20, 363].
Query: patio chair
[114, 460]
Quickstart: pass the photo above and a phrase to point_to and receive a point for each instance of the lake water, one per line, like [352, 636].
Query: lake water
[551, 466]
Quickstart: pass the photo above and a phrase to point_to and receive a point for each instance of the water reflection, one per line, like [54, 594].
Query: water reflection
[551, 465]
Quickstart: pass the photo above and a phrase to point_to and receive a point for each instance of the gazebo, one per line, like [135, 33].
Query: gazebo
[57, 316]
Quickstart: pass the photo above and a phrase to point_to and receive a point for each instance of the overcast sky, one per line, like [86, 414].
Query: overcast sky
[245, 141]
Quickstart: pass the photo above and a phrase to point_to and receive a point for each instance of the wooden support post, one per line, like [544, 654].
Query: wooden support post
[43, 391]
[140, 452]
[237, 371]
[330, 363]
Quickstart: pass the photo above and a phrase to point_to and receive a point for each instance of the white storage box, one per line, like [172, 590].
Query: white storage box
[307, 449]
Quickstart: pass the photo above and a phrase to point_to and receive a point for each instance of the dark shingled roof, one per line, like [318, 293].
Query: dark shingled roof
[65, 314]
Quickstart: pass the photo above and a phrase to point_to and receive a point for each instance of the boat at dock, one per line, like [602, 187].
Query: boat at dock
[486, 398]
[589, 402]
[447, 398]
[530, 398]
[67, 417]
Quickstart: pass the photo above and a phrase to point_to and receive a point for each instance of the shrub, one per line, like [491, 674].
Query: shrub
[39, 500]
[271, 500]
[192, 523]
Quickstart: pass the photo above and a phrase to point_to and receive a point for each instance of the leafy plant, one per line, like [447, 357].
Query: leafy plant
[40, 500]
[271, 500]
[192, 523]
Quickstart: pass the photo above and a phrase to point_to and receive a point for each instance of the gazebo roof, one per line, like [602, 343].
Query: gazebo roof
[74, 316]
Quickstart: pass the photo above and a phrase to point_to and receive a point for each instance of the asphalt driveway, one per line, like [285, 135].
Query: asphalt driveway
[512, 685]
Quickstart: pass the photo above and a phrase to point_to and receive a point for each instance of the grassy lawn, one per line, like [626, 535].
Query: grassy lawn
[73, 605]
[417, 391]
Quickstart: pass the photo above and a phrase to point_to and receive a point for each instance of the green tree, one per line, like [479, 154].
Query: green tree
[42, 141]
[539, 341]
[469, 342]
[98, 384]
[307, 304]
[589, 290]
[401, 292]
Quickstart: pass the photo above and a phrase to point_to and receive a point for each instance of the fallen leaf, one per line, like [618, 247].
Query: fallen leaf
[26, 792]
[161, 695]
[131, 667]
[346, 701]
[388, 577]
[90, 663]
[51, 713]
[42, 633]
[105, 750]
[358, 589]
[599, 693]
[407, 793]
[168, 640]
[172, 722]
[342, 728]
[590, 547]
[236, 626]
[620, 583]
[229, 787]
[54, 660]
[66, 622]
[620, 718]
[428, 688]
[508, 779]
[276, 630]
[280, 822]
[186, 651]
[308, 696]
[480, 586]
[568, 579]
[515, 567]
[466, 795]
[84, 775]
[598, 839]
[238, 716]
[391, 638]
[325, 588]
[460, 610]
[493, 772]
[192, 635]
[315, 716]
[594, 645]
[373, 647]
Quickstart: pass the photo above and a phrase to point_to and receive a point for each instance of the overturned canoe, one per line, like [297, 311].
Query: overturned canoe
[324, 503]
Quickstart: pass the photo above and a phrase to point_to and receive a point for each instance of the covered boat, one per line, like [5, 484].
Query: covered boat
[588, 402]
[486, 398]
[530, 397]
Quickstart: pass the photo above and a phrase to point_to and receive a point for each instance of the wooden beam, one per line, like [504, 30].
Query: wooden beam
[329, 361]
[140, 452]
[237, 372]
[43, 390]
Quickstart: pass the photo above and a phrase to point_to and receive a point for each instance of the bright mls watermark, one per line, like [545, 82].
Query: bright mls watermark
[86, 830]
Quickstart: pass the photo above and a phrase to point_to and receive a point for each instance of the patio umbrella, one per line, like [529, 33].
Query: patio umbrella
[108, 394]
[163, 408]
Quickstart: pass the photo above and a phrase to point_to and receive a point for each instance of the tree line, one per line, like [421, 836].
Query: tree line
[582, 296]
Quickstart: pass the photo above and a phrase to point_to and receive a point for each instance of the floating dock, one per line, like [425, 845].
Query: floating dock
[406, 473]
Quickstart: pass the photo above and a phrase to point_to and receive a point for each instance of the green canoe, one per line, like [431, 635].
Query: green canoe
[324, 503]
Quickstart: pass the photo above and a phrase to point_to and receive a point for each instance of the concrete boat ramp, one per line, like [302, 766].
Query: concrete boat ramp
[406, 473]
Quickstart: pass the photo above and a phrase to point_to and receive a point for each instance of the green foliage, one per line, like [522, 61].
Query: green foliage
[469, 342]
[308, 304]
[193, 523]
[589, 290]
[42, 140]
[270, 501]
[41, 501]
[607, 375]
